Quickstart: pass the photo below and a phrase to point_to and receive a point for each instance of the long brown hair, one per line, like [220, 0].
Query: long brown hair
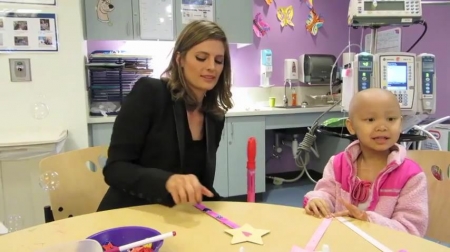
[218, 100]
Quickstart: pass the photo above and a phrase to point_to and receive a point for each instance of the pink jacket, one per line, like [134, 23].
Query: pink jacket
[399, 198]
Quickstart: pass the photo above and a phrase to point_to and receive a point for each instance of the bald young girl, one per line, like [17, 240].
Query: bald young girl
[373, 180]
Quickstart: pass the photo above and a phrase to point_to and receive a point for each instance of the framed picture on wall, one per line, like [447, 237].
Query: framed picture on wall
[22, 32]
[38, 2]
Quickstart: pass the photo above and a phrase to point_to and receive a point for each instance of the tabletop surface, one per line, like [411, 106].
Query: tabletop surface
[196, 231]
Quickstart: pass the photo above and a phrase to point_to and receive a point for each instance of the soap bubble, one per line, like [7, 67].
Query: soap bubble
[39, 110]
[49, 180]
[14, 222]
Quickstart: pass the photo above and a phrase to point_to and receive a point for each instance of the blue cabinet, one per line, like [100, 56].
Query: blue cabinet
[239, 130]
[236, 19]
[120, 20]
[234, 16]
[109, 21]
[231, 157]
[221, 178]
[100, 134]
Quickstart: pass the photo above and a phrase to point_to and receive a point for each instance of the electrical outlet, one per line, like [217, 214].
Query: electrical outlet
[20, 70]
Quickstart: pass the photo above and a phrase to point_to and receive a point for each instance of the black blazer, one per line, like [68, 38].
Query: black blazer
[147, 147]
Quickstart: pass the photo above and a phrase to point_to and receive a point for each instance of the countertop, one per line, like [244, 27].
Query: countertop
[240, 111]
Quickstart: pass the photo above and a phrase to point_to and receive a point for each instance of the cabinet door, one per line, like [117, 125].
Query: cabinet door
[240, 129]
[221, 178]
[22, 193]
[113, 21]
[136, 20]
[179, 26]
[2, 198]
[100, 134]
[234, 16]
[236, 19]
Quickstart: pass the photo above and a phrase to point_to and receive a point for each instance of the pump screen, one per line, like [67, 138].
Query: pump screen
[384, 6]
[397, 75]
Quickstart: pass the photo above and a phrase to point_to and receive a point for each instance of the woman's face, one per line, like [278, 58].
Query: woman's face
[203, 65]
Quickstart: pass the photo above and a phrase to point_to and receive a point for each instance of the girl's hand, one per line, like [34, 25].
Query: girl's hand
[318, 207]
[352, 211]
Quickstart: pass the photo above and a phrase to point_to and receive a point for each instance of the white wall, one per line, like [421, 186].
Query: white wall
[59, 77]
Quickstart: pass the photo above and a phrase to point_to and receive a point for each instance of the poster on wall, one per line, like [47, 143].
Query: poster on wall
[38, 2]
[28, 32]
[197, 10]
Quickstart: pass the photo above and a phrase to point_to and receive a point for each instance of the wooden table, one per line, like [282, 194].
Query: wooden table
[196, 231]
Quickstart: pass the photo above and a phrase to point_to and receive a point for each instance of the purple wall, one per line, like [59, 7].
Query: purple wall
[436, 41]
[332, 38]
[291, 42]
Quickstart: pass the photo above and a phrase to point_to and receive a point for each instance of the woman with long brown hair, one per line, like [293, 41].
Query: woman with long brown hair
[165, 138]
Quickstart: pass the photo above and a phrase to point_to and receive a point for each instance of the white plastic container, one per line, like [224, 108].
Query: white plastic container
[74, 246]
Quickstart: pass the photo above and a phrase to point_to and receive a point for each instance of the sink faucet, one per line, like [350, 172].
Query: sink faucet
[285, 99]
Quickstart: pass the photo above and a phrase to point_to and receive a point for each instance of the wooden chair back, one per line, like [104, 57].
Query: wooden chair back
[436, 165]
[76, 181]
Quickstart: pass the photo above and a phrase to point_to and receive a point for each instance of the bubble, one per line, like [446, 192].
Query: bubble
[39, 110]
[40, 97]
[14, 222]
[49, 180]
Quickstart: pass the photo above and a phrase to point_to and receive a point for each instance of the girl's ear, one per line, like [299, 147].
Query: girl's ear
[349, 126]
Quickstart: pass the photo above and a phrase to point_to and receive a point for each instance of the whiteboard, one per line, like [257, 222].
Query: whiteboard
[387, 41]
[156, 19]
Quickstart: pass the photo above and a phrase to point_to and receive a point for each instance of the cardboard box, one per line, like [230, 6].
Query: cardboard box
[442, 134]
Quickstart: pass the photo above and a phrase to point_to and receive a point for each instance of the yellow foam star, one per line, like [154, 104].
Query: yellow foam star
[247, 233]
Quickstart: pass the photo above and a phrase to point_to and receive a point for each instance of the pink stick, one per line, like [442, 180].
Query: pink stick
[250, 186]
[251, 166]
[216, 216]
[318, 234]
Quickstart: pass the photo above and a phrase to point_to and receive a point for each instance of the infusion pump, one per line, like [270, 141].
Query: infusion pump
[384, 12]
[411, 78]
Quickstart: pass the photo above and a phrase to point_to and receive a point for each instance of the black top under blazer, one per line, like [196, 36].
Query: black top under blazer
[148, 146]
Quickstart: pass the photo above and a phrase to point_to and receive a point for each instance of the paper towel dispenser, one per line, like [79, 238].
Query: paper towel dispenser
[315, 69]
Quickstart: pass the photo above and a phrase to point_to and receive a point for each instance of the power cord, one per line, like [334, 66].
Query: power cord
[426, 132]
[303, 151]
[425, 28]
[305, 146]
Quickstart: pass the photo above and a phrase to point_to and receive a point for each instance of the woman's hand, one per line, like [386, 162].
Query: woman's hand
[352, 211]
[318, 208]
[186, 189]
